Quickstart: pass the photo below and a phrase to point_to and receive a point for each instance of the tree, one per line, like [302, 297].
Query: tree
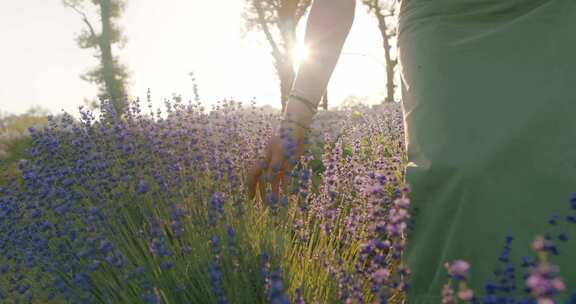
[324, 101]
[353, 101]
[384, 10]
[278, 20]
[110, 75]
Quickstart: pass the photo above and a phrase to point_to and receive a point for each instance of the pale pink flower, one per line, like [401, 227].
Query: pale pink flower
[466, 294]
[538, 243]
[402, 202]
[448, 294]
[458, 269]
[381, 275]
[545, 301]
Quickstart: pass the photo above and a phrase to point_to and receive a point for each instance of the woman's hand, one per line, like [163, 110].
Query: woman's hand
[281, 154]
[329, 23]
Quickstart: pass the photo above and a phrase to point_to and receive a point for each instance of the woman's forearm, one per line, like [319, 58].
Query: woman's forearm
[328, 25]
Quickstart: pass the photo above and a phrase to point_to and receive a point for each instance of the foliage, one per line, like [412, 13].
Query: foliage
[151, 208]
[14, 139]
[110, 75]
[148, 208]
[386, 15]
[277, 20]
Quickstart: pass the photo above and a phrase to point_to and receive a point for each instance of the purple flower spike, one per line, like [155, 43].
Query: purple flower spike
[544, 282]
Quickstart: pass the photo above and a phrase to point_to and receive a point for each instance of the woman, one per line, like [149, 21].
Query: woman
[489, 97]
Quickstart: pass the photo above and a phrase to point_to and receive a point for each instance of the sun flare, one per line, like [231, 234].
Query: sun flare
[300, 54]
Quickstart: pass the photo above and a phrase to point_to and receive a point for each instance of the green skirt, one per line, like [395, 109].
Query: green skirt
[489, 102]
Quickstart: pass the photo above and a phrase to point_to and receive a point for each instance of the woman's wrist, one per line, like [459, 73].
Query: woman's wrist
[298, 111]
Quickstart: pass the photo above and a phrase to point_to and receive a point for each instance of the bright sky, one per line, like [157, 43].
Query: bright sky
[40, 63]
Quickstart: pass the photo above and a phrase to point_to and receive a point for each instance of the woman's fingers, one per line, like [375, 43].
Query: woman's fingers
[252, 182]
[255, 174]
[290, 164]
[275, 170]
[269, 175]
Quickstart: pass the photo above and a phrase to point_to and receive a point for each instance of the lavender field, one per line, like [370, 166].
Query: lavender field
[151, 208]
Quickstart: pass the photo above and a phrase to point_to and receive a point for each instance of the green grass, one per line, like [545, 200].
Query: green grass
[14, 141]
[15, 150]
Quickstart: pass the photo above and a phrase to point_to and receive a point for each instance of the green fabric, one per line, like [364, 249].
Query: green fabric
[489, 98]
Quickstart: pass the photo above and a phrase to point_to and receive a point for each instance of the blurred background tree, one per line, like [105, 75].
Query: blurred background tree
[278, 20]
[385, 13]
[15, 139]
[352, 102]
[110, 75]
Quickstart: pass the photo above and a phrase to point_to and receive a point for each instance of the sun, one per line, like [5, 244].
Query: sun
[299, 54]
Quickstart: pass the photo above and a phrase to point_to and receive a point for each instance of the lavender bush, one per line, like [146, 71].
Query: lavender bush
[150, 208]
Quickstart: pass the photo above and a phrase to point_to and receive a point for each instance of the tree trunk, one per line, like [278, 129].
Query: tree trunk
[113, 87]
[390, 64]
[325, 101]
[286, 74]
[286, 65]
